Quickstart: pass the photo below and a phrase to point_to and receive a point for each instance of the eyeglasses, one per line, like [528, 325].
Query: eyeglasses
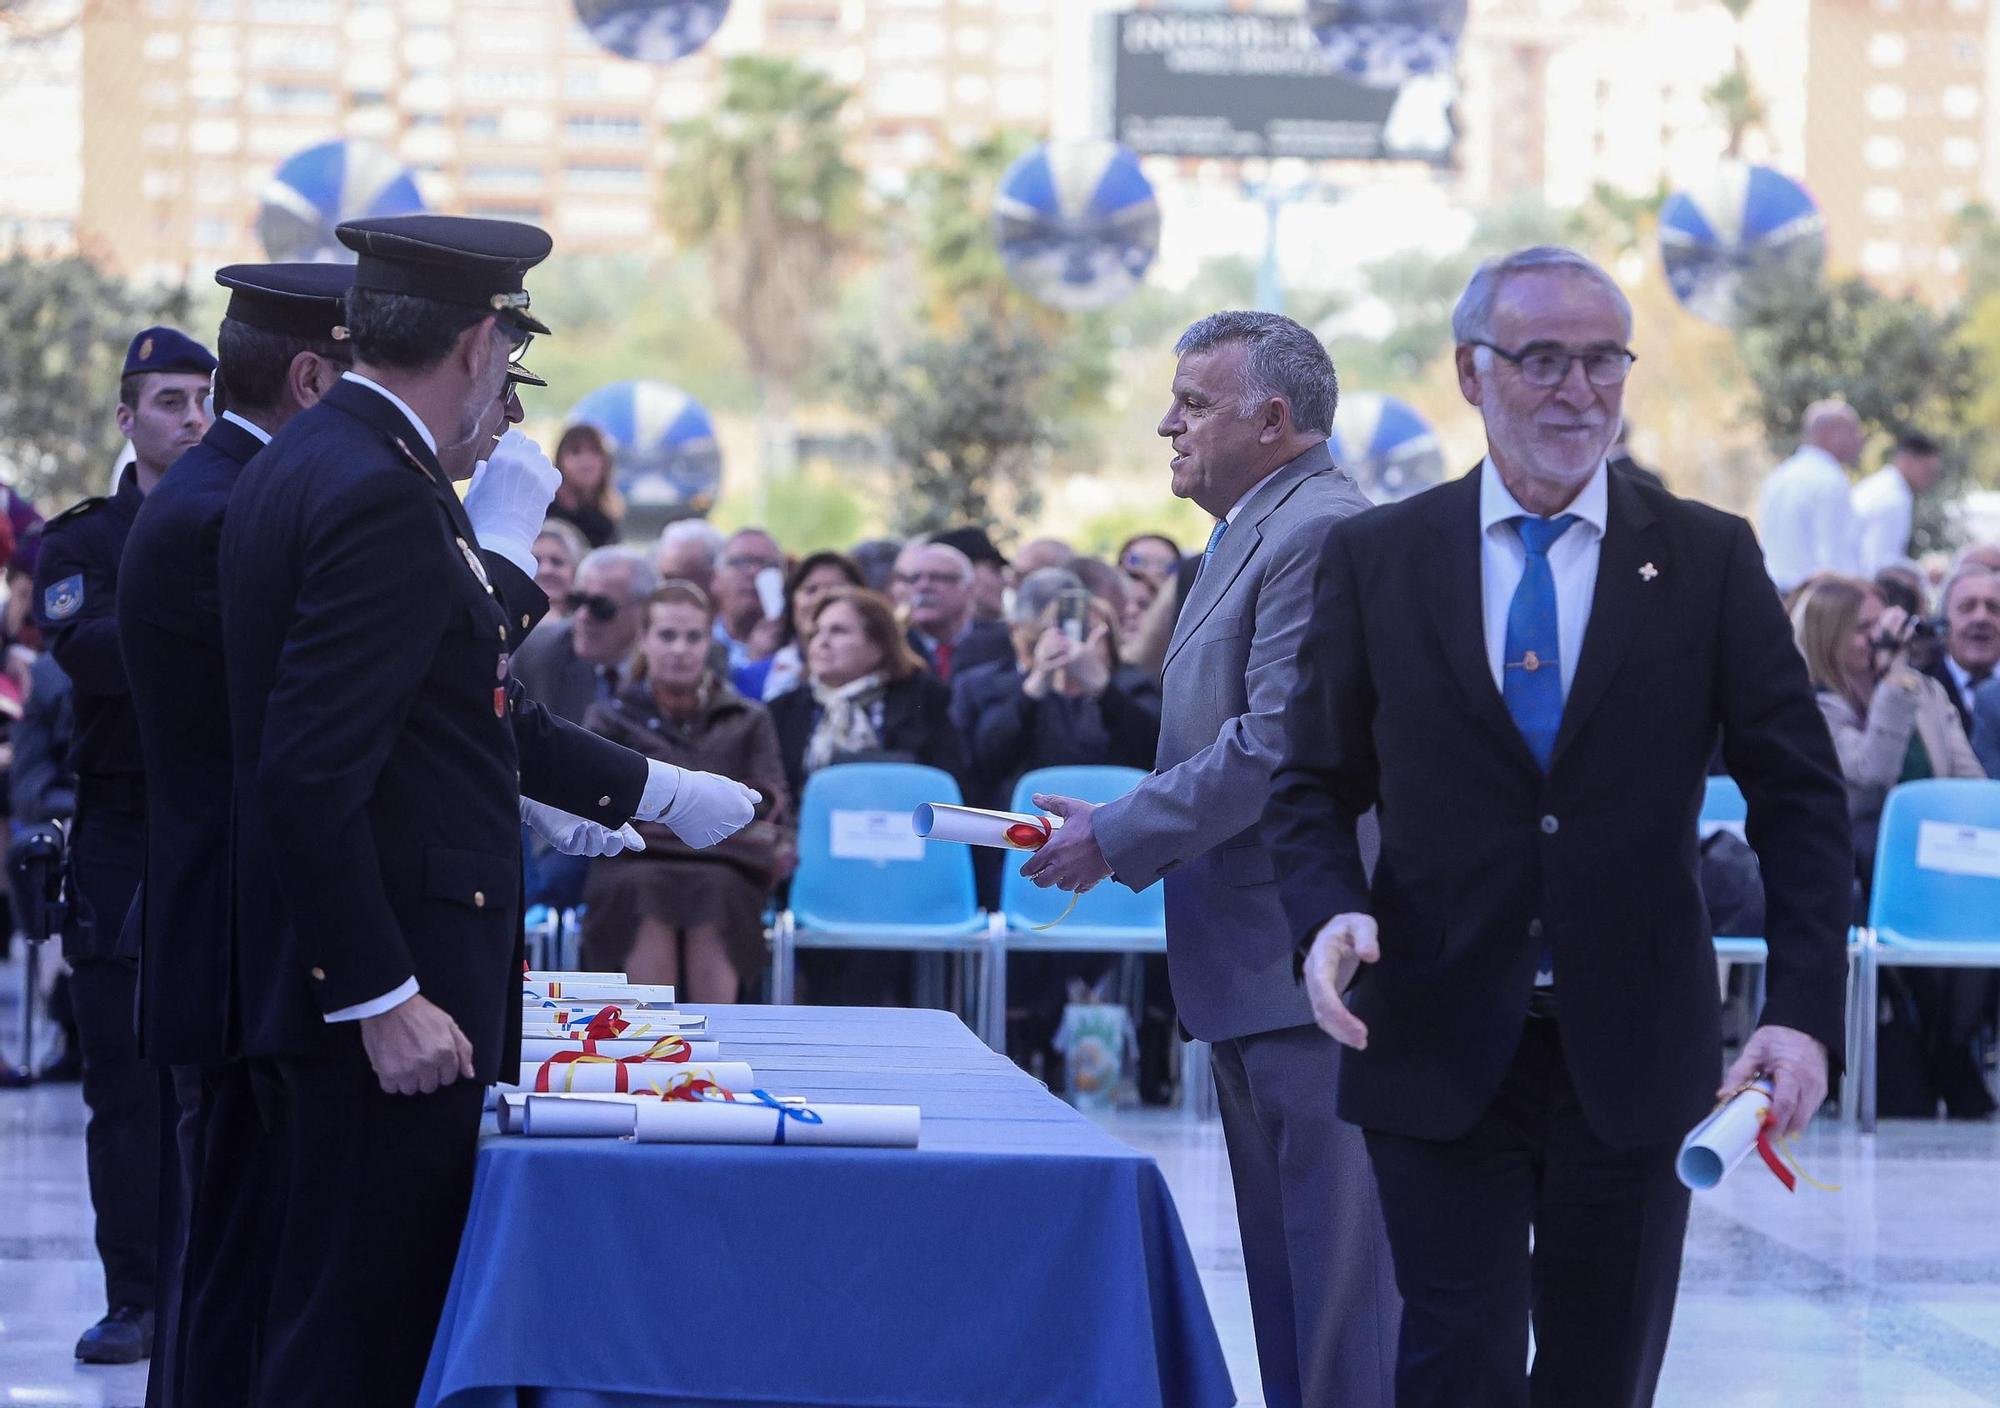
[1548, 366]
[740, 562]
[519, 349]
[930, 579]
[601, 608]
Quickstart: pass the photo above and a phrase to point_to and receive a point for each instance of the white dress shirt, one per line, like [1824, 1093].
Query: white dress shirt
[263, 435]
[1572, 562]
[1883, 507]
[407, 989]
[416, 421]
[1806, 519]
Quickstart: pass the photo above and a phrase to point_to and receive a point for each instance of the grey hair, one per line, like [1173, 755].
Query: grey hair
[693, 530]
[644, 576]
[1963, 573]
[1472, 319]
[1285, 360]
[1038, 590]
[959, 560]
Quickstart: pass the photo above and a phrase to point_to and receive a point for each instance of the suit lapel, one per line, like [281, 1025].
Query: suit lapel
[1458, 609]
[1628, 601]
[377, 412]
[1240, 543]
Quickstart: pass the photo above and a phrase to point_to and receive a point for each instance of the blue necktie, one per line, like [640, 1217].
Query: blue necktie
[1532, 662]
[1214, 541]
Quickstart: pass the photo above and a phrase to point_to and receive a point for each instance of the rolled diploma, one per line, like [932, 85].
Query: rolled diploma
[558, 975]
[976, 826]
[537, 1049]
[637, 1027]
[624, 994]
[567, 1117]
[549, 1012]
[1718, 1143]
[641, 1077]
[718, 1122]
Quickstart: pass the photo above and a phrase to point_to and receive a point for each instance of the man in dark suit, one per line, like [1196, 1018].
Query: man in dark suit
[1526, 672]
[380, 756]
[160, 409]
[1970, 605]
[937, 581]
[576, 662]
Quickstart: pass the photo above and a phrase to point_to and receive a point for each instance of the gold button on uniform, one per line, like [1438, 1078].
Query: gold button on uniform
[479, 899]
[503, 631]
[319, 975]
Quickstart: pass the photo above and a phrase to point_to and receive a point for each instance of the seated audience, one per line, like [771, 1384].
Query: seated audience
[1902, 584]
[689, 549]
[989, 571]
[1985, 555]
[937, 582]
[810, 582]
[1033, 556]
[671, 914]
[1103, 581]
[1891, 724]
[1152, 553]
[587, 496]
[1986, 726]
[572, 663]
[866, 698]
[1970, 605]
[876, 558]
[742, 626]
[559, 549]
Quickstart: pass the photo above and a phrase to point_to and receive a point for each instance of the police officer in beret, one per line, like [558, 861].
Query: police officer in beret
[160, 410]
[380, 754]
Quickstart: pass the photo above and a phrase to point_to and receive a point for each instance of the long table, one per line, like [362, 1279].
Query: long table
[1019, 1258]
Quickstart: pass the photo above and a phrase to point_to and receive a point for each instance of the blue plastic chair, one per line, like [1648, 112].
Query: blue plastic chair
[1723, 808]
[912, 895]
[1108, 919]
[1936, 897]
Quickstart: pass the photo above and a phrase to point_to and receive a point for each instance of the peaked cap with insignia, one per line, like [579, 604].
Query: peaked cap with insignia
[454, 259]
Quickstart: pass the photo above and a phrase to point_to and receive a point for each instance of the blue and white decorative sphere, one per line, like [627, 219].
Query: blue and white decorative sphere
[1077, 223]
[321, 186]
[1391, 451]
[1744, 223]
[652, 31]
[1386, 43]
[665, 443]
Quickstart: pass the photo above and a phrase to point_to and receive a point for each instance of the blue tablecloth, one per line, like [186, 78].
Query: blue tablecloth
[1020, 1256]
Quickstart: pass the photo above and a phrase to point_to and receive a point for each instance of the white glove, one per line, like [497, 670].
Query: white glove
[574, 836]
[699, 807]
[509, 498]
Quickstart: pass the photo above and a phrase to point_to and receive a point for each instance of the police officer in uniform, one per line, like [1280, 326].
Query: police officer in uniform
[380, 754]
[160, 409]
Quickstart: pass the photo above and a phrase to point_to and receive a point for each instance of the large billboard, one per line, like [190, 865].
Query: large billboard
[1322, 86]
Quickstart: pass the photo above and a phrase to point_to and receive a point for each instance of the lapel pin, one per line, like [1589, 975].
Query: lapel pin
[1649, 572]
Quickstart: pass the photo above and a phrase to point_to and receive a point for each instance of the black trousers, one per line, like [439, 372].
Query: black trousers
[1599, 1284]
[325, 1232]
[122, 1137]
[184, 1104]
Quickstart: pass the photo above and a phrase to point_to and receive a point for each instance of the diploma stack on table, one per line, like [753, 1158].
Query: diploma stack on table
[605, 1058]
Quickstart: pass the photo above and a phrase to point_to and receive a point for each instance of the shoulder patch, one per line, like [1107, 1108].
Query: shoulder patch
[75, 510]
[63, 599]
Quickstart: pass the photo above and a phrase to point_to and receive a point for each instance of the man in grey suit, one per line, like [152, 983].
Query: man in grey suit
[569, 664]
[1253, 403]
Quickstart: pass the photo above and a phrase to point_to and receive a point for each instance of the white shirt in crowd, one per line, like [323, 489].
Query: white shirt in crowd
[1883, 507]
[1806, 520]
[1572, 562]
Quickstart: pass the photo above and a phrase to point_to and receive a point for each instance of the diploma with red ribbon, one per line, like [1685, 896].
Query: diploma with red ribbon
[668, 1046]
[1742, 1122]
[606, 1075]
[598, 990]
[511, 1106]
[978, 826]
[766, 1119]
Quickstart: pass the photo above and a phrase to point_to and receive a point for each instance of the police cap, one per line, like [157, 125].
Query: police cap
[167, 350]
[518, 375]
[455, 259]
[294, 300]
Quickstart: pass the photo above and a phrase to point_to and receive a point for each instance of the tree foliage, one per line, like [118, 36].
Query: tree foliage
[965, 418]
[68, 323]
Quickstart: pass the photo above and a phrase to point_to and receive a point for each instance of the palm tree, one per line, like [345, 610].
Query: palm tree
[764, 186]
[1732, 96]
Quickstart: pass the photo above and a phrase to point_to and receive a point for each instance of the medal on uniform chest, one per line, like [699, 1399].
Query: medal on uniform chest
[500, 690]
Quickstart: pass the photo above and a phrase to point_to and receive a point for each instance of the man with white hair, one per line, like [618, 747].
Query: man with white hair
[689, 550]
[1805, 513]
[1524, 673]
[937, 583]
[570, 664]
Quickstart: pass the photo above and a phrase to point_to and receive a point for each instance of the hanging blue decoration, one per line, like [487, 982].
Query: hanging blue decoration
[321, 186]
[664, 440]
[1388, 448]
[1077, 223]
[652, 31]
[1744, 224]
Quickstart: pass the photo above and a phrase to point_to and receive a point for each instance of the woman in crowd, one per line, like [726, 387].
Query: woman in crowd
[1154, 554]
[817, 576]
[669, 914]
[1892, 724]
[559, 547]
[866, 695]
[587, 496]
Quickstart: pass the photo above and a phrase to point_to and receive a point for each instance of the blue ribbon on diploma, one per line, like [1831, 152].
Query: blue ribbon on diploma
[798, 1112]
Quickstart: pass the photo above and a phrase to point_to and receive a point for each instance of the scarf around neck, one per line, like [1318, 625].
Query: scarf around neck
[847, 723]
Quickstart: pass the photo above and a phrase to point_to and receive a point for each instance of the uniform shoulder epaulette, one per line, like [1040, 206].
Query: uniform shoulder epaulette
[76, 510]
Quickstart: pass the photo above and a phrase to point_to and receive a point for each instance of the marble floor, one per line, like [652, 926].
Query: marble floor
[1885, 1294]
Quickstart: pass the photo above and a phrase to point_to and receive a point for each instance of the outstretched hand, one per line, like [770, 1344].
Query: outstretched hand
[1341, 946]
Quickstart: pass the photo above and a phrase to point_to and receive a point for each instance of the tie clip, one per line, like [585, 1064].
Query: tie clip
[1530, 662]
